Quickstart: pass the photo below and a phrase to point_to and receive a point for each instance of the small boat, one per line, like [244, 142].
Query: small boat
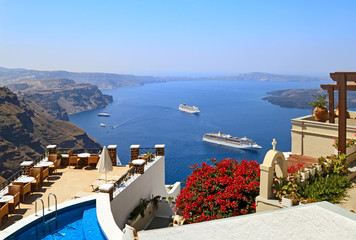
[185, 108]
[102, 125]
[230, 141]
[103, 114]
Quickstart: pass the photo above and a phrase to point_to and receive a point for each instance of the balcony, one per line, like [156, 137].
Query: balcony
[315, 139]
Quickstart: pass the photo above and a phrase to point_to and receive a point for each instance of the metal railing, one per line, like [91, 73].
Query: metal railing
[18, 173]
[124, 177]
[132, 170]
[79, 150]
[143, 151]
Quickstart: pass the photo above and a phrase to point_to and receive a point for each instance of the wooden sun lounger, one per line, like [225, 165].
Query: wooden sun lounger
[97, 184]
[82, 194]
[110, 178]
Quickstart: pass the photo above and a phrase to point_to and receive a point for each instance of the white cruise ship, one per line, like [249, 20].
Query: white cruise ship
[228, 140]
[185, 108]
[103, 114]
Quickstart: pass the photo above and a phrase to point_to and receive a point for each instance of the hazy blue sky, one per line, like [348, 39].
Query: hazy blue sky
[179, 37]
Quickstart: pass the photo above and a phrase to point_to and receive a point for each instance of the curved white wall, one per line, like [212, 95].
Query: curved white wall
[151, 183]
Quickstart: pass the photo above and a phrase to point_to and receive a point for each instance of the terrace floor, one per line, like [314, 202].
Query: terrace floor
[65, 184]
[306, 161]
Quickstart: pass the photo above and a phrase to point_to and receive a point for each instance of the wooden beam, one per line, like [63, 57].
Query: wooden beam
[350, 76]
[350, 86]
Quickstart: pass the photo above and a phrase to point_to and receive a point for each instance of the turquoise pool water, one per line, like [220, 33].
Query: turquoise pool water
[75, 222]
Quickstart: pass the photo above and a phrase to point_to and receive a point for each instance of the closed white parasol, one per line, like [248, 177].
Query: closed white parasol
[104, 165]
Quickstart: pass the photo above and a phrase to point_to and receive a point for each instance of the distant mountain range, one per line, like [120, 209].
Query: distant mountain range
[111, 80]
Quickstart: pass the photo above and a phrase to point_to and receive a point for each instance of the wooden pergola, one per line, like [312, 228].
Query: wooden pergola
[344, 81]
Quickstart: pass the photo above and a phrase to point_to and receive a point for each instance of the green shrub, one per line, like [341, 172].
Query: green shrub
[331, 188]
[139, 210]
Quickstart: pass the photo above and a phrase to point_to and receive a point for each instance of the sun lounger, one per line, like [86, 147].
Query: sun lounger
[83, 194]
[110, 178]
[97, 184]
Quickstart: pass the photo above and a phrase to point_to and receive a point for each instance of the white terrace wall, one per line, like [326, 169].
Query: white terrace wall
[315, 139]
[151, 183]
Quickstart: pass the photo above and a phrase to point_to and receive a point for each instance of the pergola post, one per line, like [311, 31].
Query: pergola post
[342, 112]
[331, 105]
[342, 86]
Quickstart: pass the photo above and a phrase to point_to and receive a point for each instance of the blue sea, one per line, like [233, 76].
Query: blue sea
[149, 115]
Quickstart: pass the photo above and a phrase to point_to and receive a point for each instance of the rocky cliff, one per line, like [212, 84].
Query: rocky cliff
[60, 97]
[25, 133]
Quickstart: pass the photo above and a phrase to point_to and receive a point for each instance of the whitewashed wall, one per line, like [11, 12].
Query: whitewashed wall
[151, 183]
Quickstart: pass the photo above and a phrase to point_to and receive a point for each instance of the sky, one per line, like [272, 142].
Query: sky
[179, 37]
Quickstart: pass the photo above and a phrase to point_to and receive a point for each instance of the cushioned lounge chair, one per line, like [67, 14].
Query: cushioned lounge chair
[56, 163]
[73, 160]
[36, 173]
[24, 188]
[4, 210]
[93, 160]
[14, 190]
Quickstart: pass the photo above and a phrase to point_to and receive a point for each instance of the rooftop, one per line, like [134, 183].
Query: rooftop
[303, 220]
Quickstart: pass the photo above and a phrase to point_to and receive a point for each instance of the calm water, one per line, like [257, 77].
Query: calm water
[149, 115]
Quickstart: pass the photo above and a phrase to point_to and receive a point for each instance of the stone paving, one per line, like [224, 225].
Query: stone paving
[349, 203]
[65, 184]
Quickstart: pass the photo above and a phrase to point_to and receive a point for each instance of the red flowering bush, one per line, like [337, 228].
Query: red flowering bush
[294, 169]
[225, 189]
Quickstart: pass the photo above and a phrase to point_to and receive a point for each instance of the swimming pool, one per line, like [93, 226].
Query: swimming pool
[77, 222]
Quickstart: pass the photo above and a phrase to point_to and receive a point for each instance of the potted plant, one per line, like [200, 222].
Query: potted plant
[289, 192]
[304, 174]
[320, 110]
[287, 200]
[318, 167]
[296, 177]
[311, 170]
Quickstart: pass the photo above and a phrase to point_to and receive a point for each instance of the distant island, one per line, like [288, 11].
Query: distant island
[300, 98]
[111, 80]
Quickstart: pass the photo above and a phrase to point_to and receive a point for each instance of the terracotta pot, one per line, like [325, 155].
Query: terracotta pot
[321, 114]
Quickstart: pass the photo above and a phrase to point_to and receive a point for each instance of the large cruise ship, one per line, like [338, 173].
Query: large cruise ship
[185, 108]
[104, 114]
[228, 140]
